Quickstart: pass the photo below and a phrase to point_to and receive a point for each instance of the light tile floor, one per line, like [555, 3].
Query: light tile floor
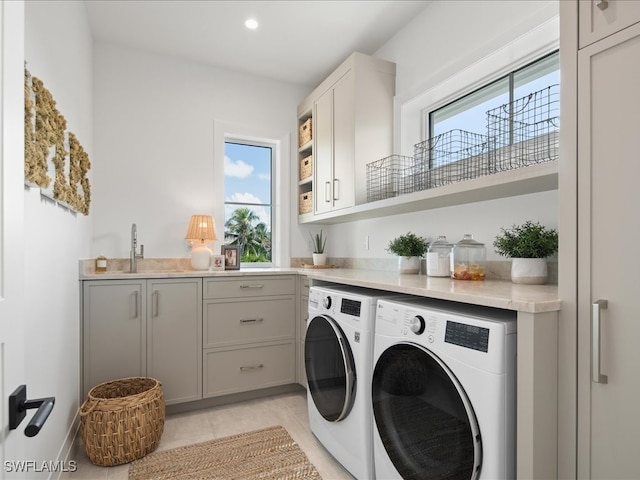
[288, 410]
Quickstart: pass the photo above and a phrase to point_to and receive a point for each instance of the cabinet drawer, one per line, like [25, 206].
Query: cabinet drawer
[252, 320]
[596, 23]
[250, 286]
[242, 369]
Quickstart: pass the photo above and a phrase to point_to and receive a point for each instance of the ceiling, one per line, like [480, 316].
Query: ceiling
[297, 41]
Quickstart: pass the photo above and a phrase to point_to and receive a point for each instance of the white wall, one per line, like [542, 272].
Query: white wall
[154, 143]
[58, 51]
[445, 39]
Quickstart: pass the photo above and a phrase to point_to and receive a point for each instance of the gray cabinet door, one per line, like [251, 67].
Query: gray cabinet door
[608, 233]
[114, 331]
[174, 337]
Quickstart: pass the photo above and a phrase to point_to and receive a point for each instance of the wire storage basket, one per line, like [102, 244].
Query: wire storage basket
[525, 131]
[450, 157]
[389, 177]
[122, 420]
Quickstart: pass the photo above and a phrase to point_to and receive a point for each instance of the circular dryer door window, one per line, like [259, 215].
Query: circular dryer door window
[423, 417]
[330, 368]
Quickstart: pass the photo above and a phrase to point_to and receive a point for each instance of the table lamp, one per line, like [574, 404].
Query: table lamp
[201, 230]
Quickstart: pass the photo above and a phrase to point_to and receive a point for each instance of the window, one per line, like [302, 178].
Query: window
[469, 113]
[248, 190]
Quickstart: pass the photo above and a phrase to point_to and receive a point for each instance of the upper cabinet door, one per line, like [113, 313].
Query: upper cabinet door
[344, 142]
[323, 131]
[601, 18]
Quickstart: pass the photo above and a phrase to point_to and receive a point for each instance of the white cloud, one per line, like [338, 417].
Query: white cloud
[264, 176]
[238, 168]
[244, 197]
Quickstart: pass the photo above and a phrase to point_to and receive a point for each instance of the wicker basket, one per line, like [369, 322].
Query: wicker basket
[306, 167]
[306, 203]
[122, 420]
[305, 132]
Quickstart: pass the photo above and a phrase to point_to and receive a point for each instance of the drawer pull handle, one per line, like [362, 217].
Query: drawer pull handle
[251, 367]
[251, 320]
[257, 285]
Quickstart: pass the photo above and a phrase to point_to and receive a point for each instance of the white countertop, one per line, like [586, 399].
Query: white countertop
[490, 293]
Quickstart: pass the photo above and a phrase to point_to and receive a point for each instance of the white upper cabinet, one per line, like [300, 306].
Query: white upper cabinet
[601, 18]
[352, 118]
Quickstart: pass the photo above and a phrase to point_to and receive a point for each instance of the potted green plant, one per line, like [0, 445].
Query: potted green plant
[528, 245]
[318, 242]
[409, 248]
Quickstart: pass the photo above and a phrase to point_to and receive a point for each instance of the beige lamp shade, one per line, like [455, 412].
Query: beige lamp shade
[201, 227]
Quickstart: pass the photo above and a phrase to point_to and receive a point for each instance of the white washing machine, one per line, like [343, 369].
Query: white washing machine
[338, 362]
[444, 391]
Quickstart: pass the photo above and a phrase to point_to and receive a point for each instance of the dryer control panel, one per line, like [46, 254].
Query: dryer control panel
[469, 336]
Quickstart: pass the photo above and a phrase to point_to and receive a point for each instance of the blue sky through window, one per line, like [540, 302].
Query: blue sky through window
[247, 179]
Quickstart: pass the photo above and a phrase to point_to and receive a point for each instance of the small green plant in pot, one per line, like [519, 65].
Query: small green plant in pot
[528, 245]
[318, 242]
[409, 248]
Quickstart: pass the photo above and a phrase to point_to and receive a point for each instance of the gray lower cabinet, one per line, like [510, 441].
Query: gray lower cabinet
[144, 328]
[114, 330]
[174, 336]
[302, 328]
[249, 333]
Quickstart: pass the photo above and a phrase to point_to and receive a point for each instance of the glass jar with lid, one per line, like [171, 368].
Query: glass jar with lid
[468, 259]
[438, 258]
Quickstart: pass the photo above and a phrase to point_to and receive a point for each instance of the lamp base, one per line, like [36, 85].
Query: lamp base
[201, 257]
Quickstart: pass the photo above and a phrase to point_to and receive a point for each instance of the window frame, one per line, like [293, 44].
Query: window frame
[410, 125]
[273, 147]
[509, 79]
[281, 184]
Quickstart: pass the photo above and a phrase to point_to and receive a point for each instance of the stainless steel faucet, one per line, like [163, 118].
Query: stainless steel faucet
[134, 255]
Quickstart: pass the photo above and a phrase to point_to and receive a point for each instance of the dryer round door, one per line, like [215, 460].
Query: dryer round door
[331, 373]
[423, 416]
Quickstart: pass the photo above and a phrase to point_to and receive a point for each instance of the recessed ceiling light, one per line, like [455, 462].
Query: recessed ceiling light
[251, 24]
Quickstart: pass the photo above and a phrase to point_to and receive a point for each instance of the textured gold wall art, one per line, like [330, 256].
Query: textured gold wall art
[35, 156]
[78, 169]
[50, 150]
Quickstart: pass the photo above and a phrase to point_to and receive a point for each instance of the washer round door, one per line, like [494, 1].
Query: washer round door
[331, 373]
[423, 416]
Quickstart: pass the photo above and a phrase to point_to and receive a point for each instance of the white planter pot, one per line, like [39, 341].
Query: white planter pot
[530, 271]
[409, 264]
[319, 259]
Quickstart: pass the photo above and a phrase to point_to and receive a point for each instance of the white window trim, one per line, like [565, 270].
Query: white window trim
[223, 132]
[411, 127]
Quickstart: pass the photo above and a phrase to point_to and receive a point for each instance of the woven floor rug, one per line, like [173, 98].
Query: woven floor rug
[264, 454]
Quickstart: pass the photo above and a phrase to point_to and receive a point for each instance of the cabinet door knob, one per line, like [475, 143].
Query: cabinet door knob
[250, 320]
[336, 189]
[155, 303]
[603, 4]
[136, 313]
[327, 192]
[596, 307]
[251, 367]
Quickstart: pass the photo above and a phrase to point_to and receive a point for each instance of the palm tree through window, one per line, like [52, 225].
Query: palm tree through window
[248, 186]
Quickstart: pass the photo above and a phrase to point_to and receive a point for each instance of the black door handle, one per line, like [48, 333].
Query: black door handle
[18, 406]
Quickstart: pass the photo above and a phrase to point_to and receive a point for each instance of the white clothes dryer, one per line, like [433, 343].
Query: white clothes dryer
[444, 391]
[338, 363]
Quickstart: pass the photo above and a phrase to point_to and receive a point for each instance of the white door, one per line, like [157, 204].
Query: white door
[12, 442]
[609, 256]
